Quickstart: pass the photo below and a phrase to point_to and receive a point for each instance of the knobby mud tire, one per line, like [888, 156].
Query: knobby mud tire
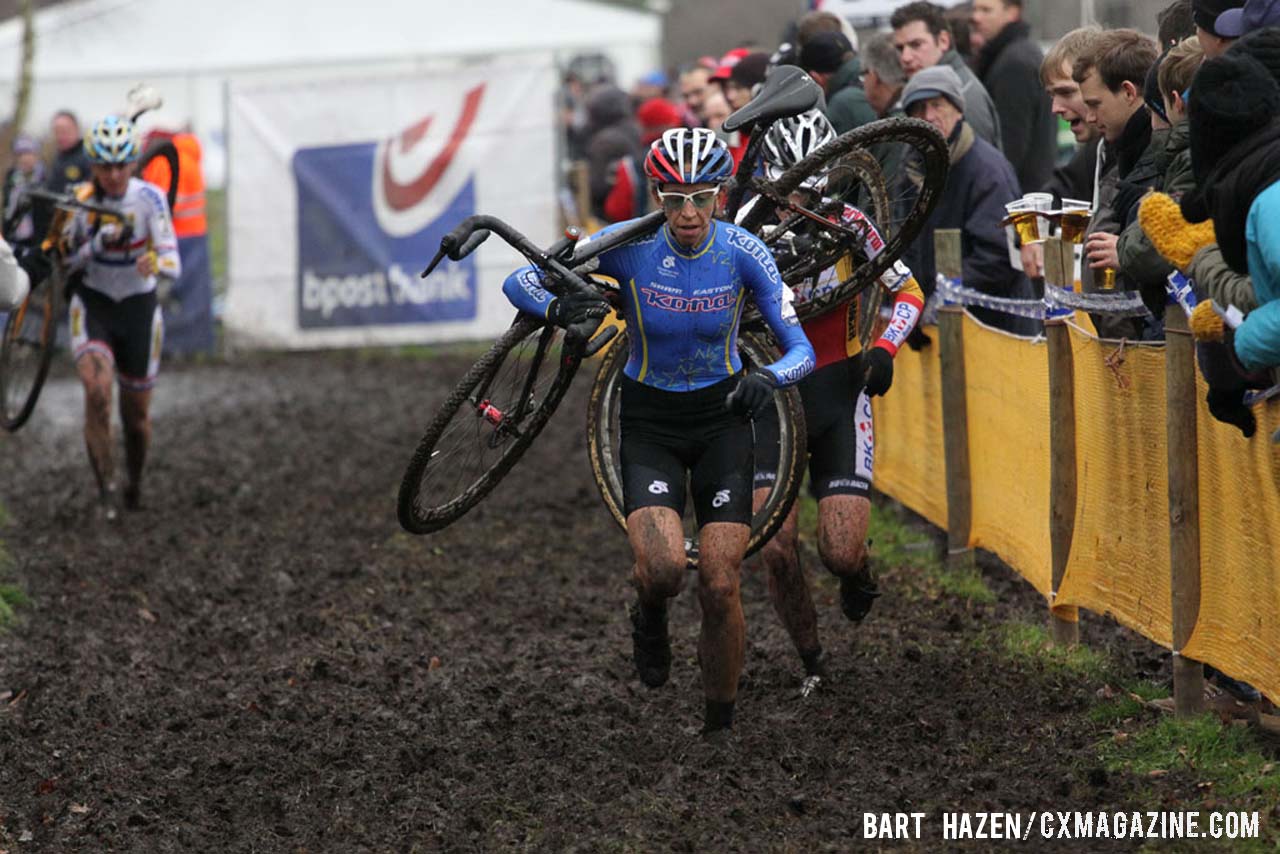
[602, 441]
[22, 374]
[934, 162]
[424, 520]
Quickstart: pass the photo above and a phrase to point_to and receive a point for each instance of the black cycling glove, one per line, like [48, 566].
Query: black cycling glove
[877, 367]
[574, 308]
[753, 395]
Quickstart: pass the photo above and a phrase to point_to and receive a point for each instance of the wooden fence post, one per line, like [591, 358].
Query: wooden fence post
[1064, 622]
[955, 420]
[1184, 507]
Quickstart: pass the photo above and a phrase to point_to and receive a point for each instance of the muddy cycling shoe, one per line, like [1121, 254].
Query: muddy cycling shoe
[857, 594]
[815, 670]
[132, 496]
[108, 504]
[651, 645]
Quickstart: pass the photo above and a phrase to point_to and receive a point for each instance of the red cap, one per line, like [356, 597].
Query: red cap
[656, 115]
[728, 61]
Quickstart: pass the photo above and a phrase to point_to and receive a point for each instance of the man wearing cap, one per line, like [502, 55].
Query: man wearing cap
[829, 59]
[1207, 14]
[739, 72]
[1254, 15]
[978, 185]
[923, 39]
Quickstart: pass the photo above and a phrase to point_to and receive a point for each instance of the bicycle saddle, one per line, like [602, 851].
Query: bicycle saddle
[787, 91]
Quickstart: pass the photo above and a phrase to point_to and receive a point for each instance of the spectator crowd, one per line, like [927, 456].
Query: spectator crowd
[1175, 161]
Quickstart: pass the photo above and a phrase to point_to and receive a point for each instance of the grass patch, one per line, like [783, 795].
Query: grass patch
[1232, 760]
[1028, 643]
[11, 596]
[898, 543]
[1128, 704]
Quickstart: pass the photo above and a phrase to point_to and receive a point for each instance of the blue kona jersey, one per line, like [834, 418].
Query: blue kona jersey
[683, 306]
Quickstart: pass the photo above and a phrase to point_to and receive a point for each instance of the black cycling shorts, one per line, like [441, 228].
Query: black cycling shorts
[129, 334]
[671, 436]
[841, 437]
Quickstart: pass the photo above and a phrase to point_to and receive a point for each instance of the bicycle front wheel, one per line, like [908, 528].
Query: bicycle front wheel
[604, 444]
[892, 170]
[486, 424]
[26, 351]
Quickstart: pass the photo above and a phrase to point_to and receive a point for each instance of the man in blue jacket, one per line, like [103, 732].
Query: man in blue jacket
[979, 184]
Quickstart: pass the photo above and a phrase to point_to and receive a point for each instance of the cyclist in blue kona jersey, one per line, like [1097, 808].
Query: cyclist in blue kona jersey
[687, 404]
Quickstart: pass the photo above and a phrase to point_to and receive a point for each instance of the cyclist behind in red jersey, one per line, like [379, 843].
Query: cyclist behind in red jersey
[116, 328]
[837, 410]
[686, 403]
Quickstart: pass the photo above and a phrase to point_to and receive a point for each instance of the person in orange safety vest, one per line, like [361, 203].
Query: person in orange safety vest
[189, 312]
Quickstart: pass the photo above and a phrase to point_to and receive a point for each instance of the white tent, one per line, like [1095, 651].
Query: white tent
[89, 52]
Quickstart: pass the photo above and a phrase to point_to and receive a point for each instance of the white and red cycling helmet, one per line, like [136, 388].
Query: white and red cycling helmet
[689, 156]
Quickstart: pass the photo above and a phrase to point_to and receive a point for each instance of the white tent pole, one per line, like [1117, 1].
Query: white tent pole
[1087, 15]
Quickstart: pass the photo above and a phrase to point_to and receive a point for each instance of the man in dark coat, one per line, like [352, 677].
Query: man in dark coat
[1112, 78]
[1009, 68]
[979, 184]
[70, 164]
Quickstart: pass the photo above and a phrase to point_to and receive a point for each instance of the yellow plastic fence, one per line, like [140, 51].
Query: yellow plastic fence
[1007, 402]
[1119, 557]
[910, 464]
[1238, 629]
[1119, 563]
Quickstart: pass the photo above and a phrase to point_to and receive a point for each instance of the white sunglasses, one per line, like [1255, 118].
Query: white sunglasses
[701, 200]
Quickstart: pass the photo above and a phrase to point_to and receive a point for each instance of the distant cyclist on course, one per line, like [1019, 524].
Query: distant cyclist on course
[686, 400]
[116, 329]
[837, 409]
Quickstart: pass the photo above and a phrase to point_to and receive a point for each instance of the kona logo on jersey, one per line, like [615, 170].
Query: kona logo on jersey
[722, 498]
[795, 373]
[750, 244]
[660, 487]
[696, 305]
[370, 213]
[531, 284]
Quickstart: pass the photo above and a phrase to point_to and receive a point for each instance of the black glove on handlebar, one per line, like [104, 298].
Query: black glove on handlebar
[877, 367]
[753, 395]
[575, 308]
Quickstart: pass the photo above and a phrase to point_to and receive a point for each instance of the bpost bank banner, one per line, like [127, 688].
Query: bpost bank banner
[340, 192]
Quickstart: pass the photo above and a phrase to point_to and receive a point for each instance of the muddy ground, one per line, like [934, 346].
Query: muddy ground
[261, 661]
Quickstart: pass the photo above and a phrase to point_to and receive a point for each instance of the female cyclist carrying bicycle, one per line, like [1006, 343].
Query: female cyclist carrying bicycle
[837, 410]
[687, 404]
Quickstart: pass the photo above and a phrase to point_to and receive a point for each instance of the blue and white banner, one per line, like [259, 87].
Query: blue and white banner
[340, 192]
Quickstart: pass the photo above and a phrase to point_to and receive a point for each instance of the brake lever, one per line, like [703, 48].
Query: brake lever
[435, 262]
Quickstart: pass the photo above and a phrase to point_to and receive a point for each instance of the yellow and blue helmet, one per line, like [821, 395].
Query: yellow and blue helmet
[112, 140]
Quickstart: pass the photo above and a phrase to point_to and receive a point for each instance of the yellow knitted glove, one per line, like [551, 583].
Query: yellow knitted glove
[1174, 238]
[1205, 323]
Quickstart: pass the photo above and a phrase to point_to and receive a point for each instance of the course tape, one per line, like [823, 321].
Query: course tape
[1057, 301]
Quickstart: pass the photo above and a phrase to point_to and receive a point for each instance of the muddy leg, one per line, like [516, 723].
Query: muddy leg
[135, 412]
[98, 377]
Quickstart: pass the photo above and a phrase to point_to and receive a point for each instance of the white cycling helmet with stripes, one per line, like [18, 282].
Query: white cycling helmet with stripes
[792, 139]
